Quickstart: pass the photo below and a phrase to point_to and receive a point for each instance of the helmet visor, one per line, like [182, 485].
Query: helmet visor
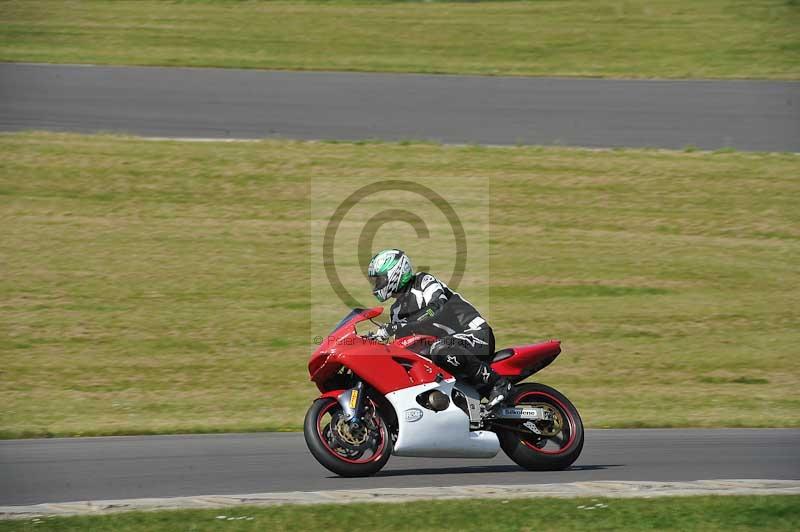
[379, 282]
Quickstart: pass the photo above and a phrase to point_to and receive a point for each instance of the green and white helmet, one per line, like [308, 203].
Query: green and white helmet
[389, 271]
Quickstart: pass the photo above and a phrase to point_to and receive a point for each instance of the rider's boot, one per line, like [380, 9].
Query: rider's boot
[501, 391]
[499, 387]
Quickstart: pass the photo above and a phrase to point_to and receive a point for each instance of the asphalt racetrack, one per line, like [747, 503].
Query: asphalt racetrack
[72, 469]
[219, 103]
[209, 103]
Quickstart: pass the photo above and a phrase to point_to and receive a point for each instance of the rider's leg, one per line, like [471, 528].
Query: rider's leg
[449, 354]
[461, 355]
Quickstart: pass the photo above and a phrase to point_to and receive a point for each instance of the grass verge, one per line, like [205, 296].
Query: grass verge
[164, 286]
[726, 513]
[599, 38]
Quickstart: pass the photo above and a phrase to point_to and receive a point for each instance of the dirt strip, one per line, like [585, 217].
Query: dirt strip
[628, 489]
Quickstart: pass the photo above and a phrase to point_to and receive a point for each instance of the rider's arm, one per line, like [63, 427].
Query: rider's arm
[433, 300]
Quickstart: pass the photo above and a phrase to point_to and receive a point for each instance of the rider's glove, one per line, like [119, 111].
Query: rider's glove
[385, 332]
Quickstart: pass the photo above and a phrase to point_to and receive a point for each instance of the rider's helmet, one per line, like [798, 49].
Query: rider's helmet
[389, 271]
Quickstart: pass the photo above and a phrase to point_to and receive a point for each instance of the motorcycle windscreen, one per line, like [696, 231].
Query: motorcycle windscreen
[353, 313]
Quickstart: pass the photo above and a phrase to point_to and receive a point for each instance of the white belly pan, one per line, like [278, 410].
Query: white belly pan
[437, 434]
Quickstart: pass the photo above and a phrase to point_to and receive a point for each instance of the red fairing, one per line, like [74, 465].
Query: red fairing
[333, 394]
[321, 367]
[528, 359]
[408, 341]
[392, 367]
[386, 367]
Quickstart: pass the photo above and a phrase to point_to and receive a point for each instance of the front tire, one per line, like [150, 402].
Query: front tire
[560, 442]
[342, 451]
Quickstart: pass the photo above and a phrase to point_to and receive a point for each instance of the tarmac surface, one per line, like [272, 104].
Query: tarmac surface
[80, 469]
[209, 103]
[223, 103]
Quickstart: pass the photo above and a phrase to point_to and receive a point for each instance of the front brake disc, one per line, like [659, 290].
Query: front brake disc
[357, 440]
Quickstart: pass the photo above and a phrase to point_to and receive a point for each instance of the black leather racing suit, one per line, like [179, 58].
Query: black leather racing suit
[466, 342]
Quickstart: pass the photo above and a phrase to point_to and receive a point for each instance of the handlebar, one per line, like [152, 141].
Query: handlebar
[372, 335]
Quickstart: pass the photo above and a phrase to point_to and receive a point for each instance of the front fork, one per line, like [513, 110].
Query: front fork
[352, 403]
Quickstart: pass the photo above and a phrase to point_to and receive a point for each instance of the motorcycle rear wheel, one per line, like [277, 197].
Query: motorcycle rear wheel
[322, 442]
[559, 445]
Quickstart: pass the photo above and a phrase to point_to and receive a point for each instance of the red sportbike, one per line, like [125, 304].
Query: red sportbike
[378, 399]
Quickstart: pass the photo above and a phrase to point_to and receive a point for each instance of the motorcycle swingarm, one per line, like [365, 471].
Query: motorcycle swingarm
[528, 413]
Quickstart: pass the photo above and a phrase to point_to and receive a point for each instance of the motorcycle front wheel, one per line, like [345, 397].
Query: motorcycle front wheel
[344, 449]
[553, 445]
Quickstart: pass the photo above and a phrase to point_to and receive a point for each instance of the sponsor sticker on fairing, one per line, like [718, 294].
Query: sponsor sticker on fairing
[413, 414]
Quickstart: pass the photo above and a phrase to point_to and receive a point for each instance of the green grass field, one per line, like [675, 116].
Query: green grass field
[164, 286]
[603, 38]
[728, 513]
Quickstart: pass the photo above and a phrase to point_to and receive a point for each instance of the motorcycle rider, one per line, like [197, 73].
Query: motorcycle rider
[425, 305]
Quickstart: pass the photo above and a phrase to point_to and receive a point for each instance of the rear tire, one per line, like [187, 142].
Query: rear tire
[550, 452]
[336, 459]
